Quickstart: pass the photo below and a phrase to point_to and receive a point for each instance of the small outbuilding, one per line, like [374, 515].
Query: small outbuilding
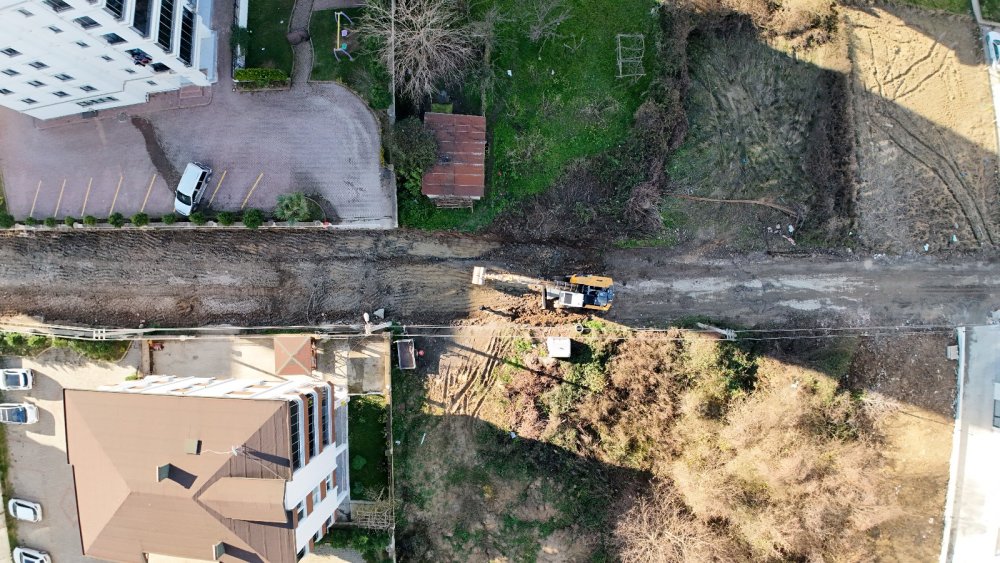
[458, 178]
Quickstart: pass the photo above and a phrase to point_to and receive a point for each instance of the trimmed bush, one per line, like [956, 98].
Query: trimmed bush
[69, 221]
[253, 218]
[198, 218]
[6, 220]
[90, 220]
[31, 221]
[140, 219]
[51, 222]
[168, 219]
[261, 77]
[411, 146]
[117, 220]
[293, 207]
[226, 218]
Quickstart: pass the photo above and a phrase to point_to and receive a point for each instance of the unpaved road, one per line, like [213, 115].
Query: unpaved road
[280, 278]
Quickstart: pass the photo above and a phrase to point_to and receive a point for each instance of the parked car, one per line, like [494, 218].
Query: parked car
[16, 379]
[28, 555]
[25, 510]
[191, 188]
[993, 48]
[18, 413]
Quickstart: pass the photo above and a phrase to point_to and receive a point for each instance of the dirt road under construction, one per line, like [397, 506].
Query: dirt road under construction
[282, 278]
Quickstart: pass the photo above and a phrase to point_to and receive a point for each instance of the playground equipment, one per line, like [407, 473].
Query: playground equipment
[341, 38]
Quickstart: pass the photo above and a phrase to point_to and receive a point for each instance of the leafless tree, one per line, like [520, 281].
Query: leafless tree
[658, 529]
[548, 15]
[431, 44]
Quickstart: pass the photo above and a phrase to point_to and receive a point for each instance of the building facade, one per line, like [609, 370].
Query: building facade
[66, 57]
[261, 464]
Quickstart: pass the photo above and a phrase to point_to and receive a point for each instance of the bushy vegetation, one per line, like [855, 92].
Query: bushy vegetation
[168, 219]
[15, 344]
[51, 222]
[366, 75]
[140, 219]
[261, 77]
[226, 218]
[6, 220]
[198, 218]
[371, 544]
[116, 220]
[294, 207]
[90, 220]
[253, 218]
[367, 441]
[69, 221]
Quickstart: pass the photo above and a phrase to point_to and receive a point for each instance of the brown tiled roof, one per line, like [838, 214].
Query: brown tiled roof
[115, 443]
[293, 355]
[460, 169]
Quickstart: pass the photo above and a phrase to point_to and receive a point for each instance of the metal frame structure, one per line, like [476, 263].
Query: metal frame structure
[630, 47]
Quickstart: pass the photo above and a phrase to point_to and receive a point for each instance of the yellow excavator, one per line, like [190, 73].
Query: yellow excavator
[573, 292]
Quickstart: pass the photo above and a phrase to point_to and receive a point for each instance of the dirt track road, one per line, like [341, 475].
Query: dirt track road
[266, 278]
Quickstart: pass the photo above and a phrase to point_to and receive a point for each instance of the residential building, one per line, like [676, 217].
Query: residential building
[458, 178]
[65, 57]
[200, 468]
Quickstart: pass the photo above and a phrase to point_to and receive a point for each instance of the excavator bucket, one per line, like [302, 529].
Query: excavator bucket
[478, 275]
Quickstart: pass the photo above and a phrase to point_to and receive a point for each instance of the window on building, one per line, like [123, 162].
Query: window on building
[329, 484]
[317, 496]
[86, 22]
[5, 91]
[54, 29]
[151, 82]
[301, 510]
[300, 554]
[24, 12]
[95, 101]
[113, 38]
[996, 413]
[64, 77]
[165, 29]
[29, 101]
[311, 422]
[57, 5]
[38, 64]
[10, 52]
[319, 535]
[116, 8]
[106, 58]
[186, 50]
[143, 15]
[60, 94]
[88, 88]
[296, 430]
[130, 71]
[324, 419]
[36, 83]
[82, 45]
[159, 67]
[11, 72]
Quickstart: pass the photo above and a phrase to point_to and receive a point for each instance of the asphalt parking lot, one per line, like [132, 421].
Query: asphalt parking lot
[38, 468]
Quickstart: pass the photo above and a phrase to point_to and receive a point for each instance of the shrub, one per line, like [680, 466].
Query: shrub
[117, 220]
[411, 146]
[140, 219]
[261, 77]
[168, 219]
[198, 218]
[226, 218]
[31, 221]
[253, 218]
[51, 222]
[6, 220]
[69, 221]
[90, 220]
[293, 207]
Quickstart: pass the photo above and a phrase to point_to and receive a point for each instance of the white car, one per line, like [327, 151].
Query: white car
[191, 188]
[18, 413]
[993, 48]
[28, 555]
[25, 510]
[15, 379]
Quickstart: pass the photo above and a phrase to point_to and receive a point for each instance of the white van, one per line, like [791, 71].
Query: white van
[192, 187]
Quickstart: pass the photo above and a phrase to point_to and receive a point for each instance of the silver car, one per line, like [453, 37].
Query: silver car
[18, 413]
[25, 510]
[16, 379]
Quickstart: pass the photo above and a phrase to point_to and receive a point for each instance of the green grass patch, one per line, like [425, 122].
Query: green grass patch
[562, 102]
[370, 543]
[366, 75]
[267, 23]
[958, 6]
[366, 416]
[14, 344]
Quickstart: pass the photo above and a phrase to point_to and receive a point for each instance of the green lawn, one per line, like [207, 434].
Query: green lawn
[956, 6]
[562, 101]
[366, 420]
[990, 8]
[365, 74]
[267, 46]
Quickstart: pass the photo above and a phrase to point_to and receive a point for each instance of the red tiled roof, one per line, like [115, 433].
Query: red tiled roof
[460, 169]
[293, 355]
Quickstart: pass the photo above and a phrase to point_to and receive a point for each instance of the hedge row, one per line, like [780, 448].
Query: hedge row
[261, 77]
[251, 218]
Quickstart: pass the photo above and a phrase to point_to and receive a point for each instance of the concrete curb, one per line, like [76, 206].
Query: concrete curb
[956, 452]
[210, 225]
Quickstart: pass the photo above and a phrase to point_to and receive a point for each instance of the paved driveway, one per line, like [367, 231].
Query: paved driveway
[38, 468]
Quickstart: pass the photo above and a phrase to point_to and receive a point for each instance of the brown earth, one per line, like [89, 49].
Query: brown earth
[926, 136]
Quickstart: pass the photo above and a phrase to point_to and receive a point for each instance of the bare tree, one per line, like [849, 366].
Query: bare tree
[546, 19]
[657, 528]
[428, 44]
